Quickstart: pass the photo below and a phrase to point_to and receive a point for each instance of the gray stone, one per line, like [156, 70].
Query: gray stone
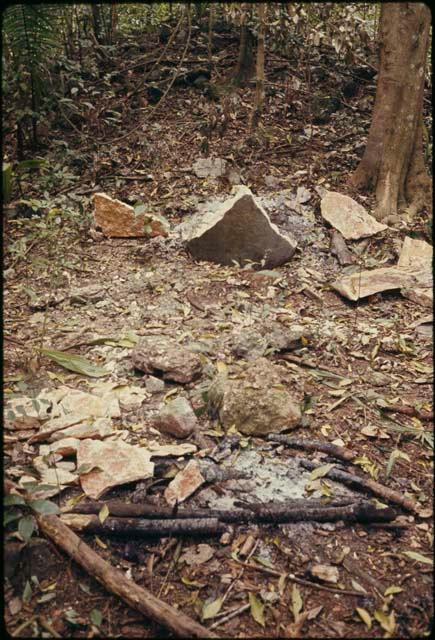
[165, 355]
[240, 230]
[257, 403]
[249, 343]
[154, 385]
[177, 418]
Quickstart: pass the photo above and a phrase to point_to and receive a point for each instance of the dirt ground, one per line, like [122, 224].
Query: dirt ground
[154, 287]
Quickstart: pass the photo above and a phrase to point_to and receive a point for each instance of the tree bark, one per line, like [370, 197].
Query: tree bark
[259, 90]
[393, 161]
[245, 65]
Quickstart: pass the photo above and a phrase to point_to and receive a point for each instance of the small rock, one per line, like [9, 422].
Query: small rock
[184, 484]
[163, 354]
[257, 403]
[119, 220]
[209, 167]
[154, 385]
[91, 293]
[177, 418]
[325, 572]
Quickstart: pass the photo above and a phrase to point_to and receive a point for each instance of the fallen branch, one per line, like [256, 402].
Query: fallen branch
[362, 511]
[242, 514]
[142, 527]
[115, 581]
[409, 411]
[314, 445]
[362, 483]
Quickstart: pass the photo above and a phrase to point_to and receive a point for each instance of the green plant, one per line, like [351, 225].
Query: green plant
[11, 171]
[30, 36]
[22, 509]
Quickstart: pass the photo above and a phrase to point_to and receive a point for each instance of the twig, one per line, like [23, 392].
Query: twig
[230, 616]
[115, 581]
[375, 487]
[409, 411]
[305, 362]
[314, 445]
[24, 625]
[48, 627]
[291, 576]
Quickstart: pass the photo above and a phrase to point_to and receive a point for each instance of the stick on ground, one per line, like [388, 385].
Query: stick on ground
[115, 581]
[375, 487]
[314, 445]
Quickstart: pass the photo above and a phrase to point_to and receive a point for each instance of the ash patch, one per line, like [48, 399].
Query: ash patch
[270, 481]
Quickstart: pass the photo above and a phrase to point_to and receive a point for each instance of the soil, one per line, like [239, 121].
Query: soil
[156, 287]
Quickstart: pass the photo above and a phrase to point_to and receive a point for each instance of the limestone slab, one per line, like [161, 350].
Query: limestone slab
[239, 231]
[118, 463]
[349, 217]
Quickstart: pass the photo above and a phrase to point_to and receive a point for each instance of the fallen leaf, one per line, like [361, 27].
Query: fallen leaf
[211, 609]
[418, 557]
[257, 609]
[365, 617]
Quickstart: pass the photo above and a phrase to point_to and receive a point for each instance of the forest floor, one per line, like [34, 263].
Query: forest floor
[375, 349]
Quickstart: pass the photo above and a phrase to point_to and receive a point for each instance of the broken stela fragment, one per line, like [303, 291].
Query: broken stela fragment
[239, 231]
[119, 220]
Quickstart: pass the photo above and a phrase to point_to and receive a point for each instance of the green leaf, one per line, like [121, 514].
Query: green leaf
[26, 527]
[413, 555]
[392, 590]
[387, 621]
[192, 583]
[46, 507]
[257, 609]
[75, 363]
[10, 516]
[27, 593]
[211, 609]
[13, 499]
[25, 165]
[321, 471]
[46, 598]
[264, 561]
[365, 617]
[104, 512]
[96, 617]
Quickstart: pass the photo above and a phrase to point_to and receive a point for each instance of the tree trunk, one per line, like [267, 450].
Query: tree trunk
[393, 161]
[96, 23]
[210, 33]
[245, 65]
[259, 91]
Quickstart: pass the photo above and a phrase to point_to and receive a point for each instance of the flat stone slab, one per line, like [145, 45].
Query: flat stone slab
[366, 283]
[349, 217]
[184, 484]
[416, 253]
[239, 230]
[118, 463]
[119, 220]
